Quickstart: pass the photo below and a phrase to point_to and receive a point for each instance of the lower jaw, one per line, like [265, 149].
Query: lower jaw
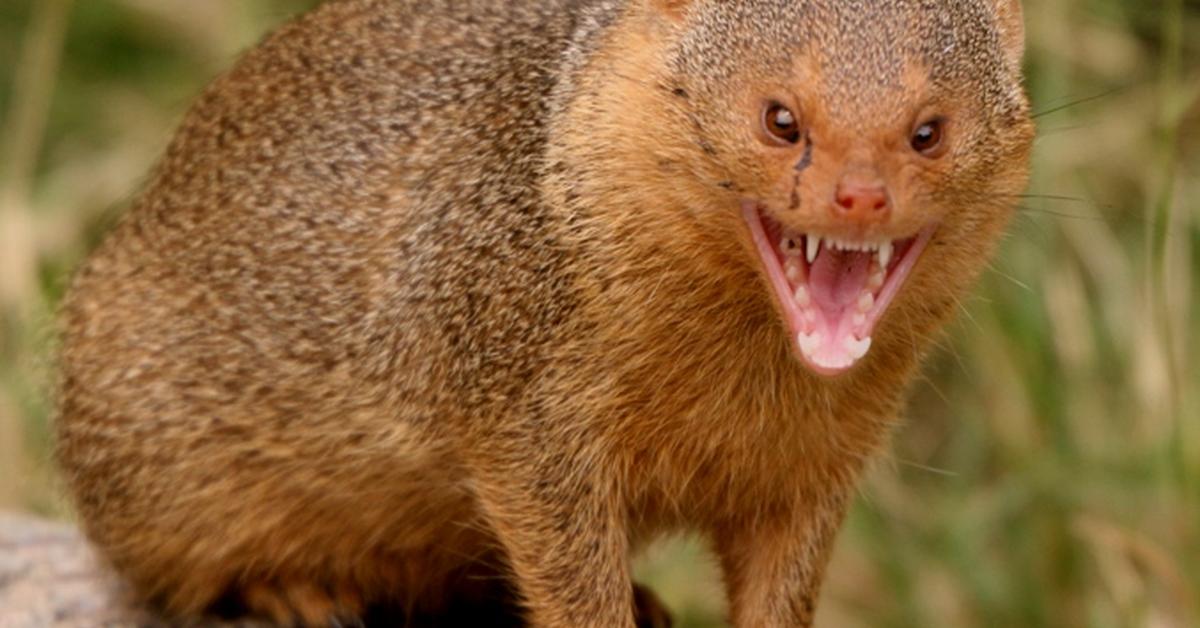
[831, 324]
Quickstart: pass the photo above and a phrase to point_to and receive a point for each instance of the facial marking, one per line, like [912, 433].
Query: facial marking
[806, 160]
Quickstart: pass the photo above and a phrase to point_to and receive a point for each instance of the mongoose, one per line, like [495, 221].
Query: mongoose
[436, 303]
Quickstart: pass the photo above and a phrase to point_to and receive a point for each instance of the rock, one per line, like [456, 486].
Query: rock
[50, 577]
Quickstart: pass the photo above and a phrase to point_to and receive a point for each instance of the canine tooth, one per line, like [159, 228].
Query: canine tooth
[792, 269]
[885, 254]
[858, 348]
[801, 296]
[876, 279]
[866, 302]
[809, 343]
[814, 247]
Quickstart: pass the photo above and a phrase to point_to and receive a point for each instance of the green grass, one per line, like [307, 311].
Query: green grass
[1048, 472]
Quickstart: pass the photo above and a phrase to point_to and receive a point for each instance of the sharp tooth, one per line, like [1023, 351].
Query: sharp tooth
[876, 279]
[814, 247]
[792, 269]
[801, 296]
[866, 302]
[809, 343]
[885, 254]
[858, 348]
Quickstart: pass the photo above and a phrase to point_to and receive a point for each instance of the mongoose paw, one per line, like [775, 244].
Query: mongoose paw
[304, 605]
[648, 609]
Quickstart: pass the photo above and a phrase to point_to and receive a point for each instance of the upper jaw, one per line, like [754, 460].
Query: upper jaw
[832, 290]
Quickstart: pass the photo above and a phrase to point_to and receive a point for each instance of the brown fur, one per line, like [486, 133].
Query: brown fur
[428, 298]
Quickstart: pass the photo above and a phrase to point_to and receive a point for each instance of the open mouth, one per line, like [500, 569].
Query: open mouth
[832, 291]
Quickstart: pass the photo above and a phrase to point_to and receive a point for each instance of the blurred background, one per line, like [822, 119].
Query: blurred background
[1048, 469]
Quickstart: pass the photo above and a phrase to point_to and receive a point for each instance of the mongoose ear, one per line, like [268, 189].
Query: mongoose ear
[672, 9]
[1012, 29]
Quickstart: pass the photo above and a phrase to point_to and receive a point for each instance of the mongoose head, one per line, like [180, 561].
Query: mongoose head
[869, 151]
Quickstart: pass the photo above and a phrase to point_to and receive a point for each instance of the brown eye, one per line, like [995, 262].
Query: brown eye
[781, 123]
[927, 139]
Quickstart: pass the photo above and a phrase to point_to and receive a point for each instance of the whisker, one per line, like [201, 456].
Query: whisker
[1100, 208]
[1014, 280]
[1058, 214]
[937, 390]
[1076, 103]
[1056, 197]
[1034, 229]
[923, 467]
[1049, 133]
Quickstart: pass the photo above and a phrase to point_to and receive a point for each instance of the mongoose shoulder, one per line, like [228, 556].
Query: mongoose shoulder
[441, 305]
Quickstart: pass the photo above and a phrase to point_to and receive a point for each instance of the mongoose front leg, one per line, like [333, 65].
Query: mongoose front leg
[558, 519]
[774, 565]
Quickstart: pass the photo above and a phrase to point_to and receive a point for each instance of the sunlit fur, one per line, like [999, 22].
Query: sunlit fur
[416, 301]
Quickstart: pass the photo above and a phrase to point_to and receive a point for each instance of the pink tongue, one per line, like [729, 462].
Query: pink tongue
[837, 278]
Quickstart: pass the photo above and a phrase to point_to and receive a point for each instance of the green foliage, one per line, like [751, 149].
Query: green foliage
[1048, 469]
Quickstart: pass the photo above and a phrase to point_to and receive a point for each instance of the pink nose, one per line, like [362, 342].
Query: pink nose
[862, 202]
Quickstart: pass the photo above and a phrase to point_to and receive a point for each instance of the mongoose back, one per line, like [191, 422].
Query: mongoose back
[442, 305]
